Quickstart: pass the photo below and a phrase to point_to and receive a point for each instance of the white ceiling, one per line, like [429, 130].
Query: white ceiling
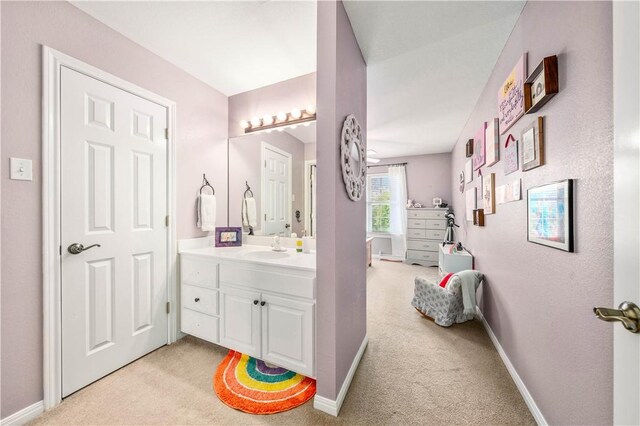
[427, 63]
[234, 46]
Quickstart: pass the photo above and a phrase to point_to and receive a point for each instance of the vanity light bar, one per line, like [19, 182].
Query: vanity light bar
[281, 119]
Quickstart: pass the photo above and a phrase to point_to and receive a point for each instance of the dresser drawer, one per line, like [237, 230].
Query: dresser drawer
[200, 299]
[416, 214]
[435, 235]
[416, 233]
[200, 272]
[436, 214]
[417, 224]
[422, 255]
[423, 245]
[200, 325]
[436, 224]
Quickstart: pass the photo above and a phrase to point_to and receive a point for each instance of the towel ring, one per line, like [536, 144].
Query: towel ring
[205, 183]
[247, 190]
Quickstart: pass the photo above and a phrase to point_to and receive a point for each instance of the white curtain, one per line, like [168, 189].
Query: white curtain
[398, 219]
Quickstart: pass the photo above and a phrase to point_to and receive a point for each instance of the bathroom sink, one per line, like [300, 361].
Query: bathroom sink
[265, 255]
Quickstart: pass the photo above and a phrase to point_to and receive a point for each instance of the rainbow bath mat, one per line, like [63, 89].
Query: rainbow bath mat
[253, 386]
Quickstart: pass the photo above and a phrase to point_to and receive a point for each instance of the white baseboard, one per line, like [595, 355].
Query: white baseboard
[330, 406]
[25, 415]
[528, 399]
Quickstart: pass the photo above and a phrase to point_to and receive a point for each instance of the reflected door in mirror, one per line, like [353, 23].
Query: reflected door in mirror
[277, 191]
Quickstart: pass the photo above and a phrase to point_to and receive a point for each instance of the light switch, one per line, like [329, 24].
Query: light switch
[21, 169]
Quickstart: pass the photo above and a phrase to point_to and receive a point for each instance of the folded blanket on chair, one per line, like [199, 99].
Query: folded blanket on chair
[470, 280]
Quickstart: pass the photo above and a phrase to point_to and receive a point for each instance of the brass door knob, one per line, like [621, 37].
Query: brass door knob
[628, 313]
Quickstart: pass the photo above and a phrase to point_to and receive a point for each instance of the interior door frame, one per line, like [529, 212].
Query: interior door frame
[626, 206]
[307, 195]
[264, 145]
[52, 62]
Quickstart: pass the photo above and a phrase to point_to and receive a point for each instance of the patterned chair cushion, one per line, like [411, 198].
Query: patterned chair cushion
[444, 305]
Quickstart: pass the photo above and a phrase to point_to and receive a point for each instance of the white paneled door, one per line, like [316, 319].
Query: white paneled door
[114, 204]
[277, 191]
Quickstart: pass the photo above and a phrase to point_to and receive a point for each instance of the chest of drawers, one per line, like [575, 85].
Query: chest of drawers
[425, 233]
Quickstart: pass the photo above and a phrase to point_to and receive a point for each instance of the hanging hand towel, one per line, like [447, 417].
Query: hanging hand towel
[249, 215]
[207, 212]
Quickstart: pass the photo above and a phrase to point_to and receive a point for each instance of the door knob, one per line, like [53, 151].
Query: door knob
[262, 303]
[77, 248]
[255, 302]
[628, 314]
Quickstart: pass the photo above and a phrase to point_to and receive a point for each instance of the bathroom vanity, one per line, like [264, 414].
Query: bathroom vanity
[253, 300]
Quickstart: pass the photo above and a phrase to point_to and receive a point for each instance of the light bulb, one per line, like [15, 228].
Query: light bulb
[255, 122]
[295, 113]
[311, 109]
[244, 124]
[281, 116]
[267, 120]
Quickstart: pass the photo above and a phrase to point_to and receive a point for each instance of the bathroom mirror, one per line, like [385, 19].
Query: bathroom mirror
[277, 169]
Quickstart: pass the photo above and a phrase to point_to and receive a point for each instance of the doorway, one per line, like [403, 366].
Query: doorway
[108, 181]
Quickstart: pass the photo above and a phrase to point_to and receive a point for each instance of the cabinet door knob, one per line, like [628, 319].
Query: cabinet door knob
[262, 303]
[197, 299]
[255, 302]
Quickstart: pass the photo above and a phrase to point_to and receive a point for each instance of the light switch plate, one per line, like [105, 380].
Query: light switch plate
[21, 169]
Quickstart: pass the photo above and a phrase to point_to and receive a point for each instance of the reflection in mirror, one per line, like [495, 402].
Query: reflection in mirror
[279, 167]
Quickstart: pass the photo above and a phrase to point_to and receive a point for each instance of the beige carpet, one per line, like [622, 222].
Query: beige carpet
[413, 372]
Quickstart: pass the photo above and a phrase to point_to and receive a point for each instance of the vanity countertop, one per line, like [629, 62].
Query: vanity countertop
[261, 255]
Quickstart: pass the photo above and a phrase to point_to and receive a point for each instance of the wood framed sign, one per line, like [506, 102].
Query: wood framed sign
[541, 85]
[469, 150]
[478, 217]
[492, 142]
[532, 149]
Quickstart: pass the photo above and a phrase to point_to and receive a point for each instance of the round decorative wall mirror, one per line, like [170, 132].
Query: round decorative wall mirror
[352, 154]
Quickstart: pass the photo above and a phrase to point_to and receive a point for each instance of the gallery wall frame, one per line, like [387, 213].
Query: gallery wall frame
[550, 209]
[532, 145]
[542, 85]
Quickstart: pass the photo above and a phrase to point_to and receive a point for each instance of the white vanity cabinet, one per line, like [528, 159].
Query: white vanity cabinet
[262, 310]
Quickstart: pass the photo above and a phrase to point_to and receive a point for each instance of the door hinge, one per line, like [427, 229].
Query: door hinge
[168, 307]
[265, 216]
[166, 221]
[166, 134]
[60, 250]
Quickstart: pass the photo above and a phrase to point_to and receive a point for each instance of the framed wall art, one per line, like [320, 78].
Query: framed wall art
[468, 171]
[470, 203]
[478, 217]
[492, 142]
[550, 215]
[478, 147]
[469, 148]
[510, 154]
[511, 96]
[541, 85]
[488, 193]
[532, 147]
[508, 192]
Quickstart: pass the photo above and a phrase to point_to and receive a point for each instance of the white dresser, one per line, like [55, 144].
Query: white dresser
[425, 233]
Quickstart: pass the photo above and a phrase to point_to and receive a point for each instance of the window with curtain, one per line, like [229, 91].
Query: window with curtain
[386, 206]
[378, 203]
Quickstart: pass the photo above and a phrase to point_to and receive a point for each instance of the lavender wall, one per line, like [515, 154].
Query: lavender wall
[341, 298]
[427, 176]
[201, 147]
[245, 153]
[284, 96]
[538, 300]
